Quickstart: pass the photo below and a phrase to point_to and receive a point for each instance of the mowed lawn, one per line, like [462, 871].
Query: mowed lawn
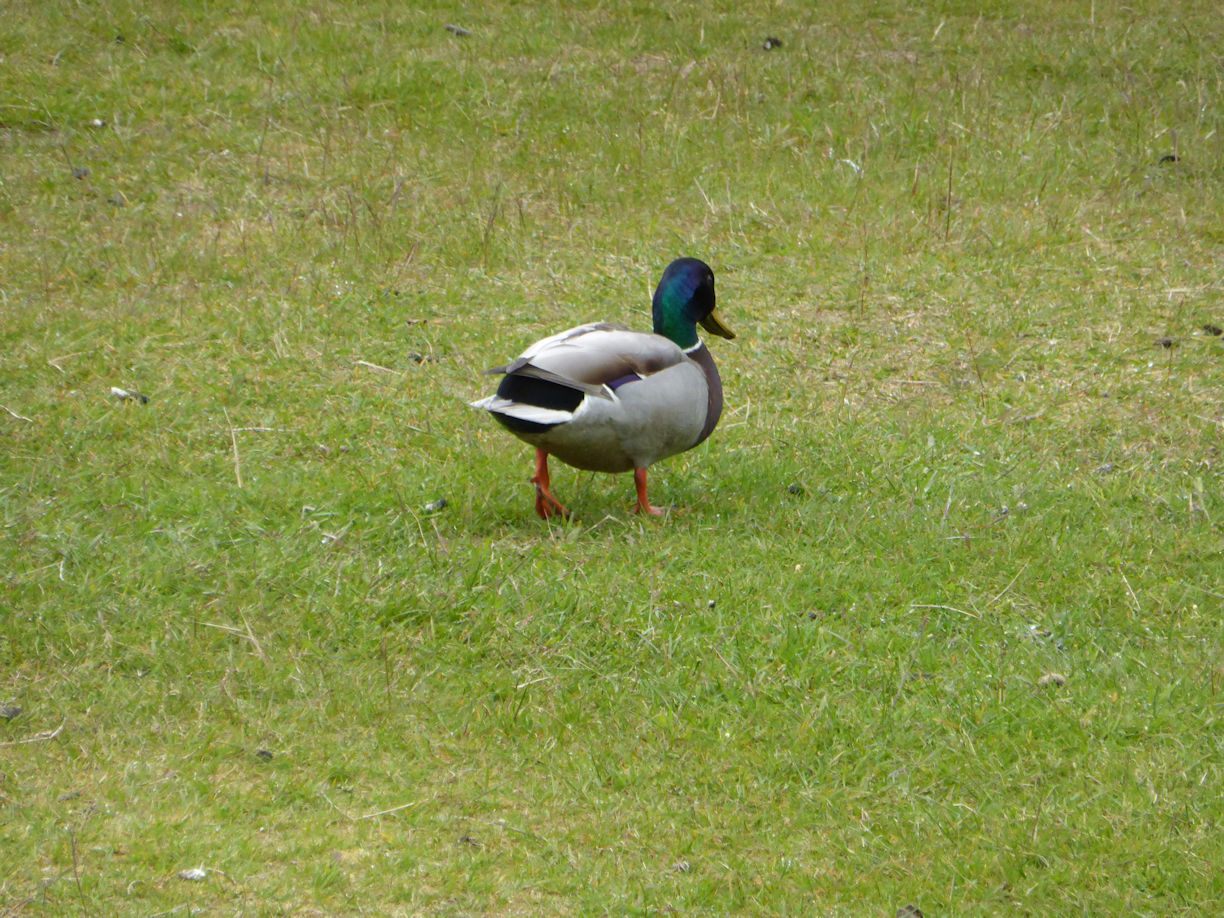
[934, 622]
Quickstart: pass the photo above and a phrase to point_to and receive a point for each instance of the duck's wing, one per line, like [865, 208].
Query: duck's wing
[548, 383]
[594, 359]
[597, 357]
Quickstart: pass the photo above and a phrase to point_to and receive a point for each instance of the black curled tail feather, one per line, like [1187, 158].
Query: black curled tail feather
[540, 393]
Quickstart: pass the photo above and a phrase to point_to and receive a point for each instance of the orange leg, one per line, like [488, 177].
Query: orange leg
[643, 505]
[546, 505]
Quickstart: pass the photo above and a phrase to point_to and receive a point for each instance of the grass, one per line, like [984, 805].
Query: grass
[938, 621]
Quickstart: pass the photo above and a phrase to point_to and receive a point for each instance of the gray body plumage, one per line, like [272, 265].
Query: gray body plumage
[630, 398]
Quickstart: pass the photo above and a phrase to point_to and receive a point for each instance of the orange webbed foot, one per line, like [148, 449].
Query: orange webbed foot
[546, 506]
[643, 504]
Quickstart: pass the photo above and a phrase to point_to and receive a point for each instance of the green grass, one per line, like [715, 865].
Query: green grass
[938, 620]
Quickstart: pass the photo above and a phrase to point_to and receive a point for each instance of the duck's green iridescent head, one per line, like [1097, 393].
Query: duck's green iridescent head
[684, 298]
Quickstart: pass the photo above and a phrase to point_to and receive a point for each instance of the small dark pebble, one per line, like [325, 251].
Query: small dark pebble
[80, 172]
[9, 711]
[435, 505]
[119, 39]
[263, 754]
[909, 911]
[795, 488]
[1170, 158]
[770, 43]
[1166, 342]
[418, 358]
[1213, 329]
[458, 30]
[117, 200]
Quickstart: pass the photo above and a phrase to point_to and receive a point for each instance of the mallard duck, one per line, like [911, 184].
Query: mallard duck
[607, 399]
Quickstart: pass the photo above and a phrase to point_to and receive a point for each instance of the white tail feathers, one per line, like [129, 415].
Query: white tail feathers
[504, 406]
